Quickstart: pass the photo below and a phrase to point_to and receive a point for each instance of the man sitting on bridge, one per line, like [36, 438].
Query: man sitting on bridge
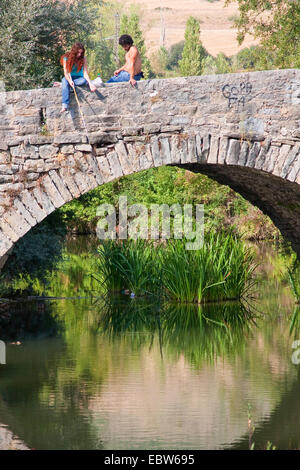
[132, 70]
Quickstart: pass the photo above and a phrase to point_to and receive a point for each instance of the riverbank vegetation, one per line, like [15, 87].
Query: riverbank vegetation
[224, 208]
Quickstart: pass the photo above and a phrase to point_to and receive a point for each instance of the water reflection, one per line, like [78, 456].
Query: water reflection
[25, 319]
[201, 333]
[125, 373]
[132, 374]
[295, 323]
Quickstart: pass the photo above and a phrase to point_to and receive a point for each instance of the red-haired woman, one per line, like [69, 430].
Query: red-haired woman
[76, 74]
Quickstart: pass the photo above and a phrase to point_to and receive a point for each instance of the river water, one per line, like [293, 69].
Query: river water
[132, 374]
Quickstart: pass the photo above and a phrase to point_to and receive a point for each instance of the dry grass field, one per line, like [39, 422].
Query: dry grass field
[217, 34]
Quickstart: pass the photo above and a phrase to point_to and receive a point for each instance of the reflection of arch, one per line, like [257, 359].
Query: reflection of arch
[24, 396]
[282, 428]
[59, 426]
[253, 147]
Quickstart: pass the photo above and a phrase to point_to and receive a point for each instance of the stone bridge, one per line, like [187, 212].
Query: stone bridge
[242, 130]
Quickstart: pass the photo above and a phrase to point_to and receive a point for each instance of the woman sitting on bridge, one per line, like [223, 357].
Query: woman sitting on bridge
[76, 74]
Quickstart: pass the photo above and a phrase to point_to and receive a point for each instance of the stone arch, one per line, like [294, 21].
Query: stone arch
[265, 173]
[240, 129]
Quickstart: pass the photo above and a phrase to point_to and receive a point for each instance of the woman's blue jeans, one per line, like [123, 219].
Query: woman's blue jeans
[123, 77]
[66, 89]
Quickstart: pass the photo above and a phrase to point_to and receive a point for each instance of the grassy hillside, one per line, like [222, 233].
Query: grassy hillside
[217, 34]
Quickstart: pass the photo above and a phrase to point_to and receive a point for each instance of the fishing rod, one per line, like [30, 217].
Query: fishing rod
[81, 113]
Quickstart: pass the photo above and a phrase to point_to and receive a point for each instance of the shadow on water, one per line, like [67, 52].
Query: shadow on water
[27, 319]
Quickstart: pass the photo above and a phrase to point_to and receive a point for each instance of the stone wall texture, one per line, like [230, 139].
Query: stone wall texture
[242, 130]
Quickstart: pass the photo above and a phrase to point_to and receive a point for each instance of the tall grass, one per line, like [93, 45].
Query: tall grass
[128, 265]
[222, 269]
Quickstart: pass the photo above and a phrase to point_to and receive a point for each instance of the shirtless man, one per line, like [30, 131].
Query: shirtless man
[132, 70]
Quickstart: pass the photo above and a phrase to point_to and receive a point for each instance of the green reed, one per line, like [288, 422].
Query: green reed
[128, 265]
[221, 269]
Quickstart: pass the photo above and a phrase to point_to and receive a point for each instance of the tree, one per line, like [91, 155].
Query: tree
[159, 61]
[193, 51]
[101, 60]
[175, 55]
[215, 65]
[276, 23]
[34, 34]
[130, 25]
[253, 58]
[101, 57]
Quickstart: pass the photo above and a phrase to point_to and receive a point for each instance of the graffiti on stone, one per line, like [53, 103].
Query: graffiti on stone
[237, 94]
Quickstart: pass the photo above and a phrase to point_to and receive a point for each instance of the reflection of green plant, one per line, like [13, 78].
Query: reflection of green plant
[3, 285]
[27, 319]
[294, 278]
[270, 446]
[251, 429]
[201, 333]
[205, 332]
[295, 323]
[71, 276]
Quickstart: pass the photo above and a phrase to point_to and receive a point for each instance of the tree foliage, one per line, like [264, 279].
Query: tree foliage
[193, 51]
[101, 57]
[253, 58]
[130, 25]
[215, 65]
[175, 54]
[159, 61]
[276, 23]
[34, 34]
